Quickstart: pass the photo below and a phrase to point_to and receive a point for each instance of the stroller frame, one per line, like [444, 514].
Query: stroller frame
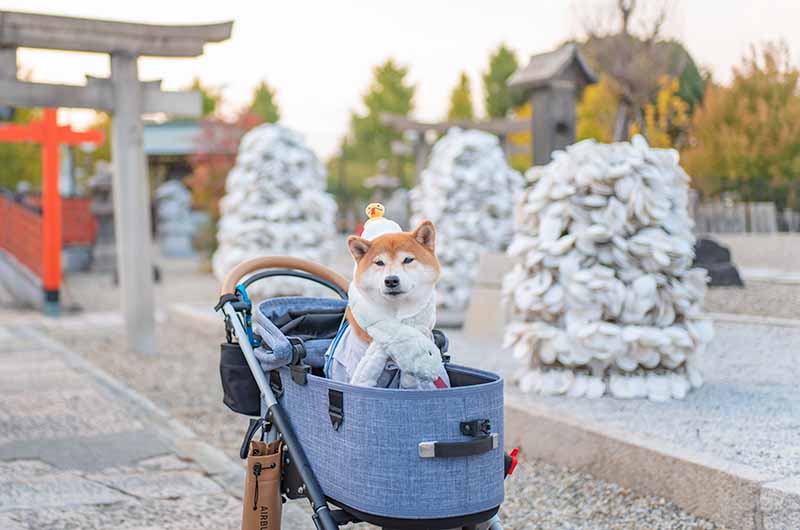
[236, 307]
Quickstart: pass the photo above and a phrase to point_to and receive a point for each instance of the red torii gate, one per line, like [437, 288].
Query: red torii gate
[50, 135]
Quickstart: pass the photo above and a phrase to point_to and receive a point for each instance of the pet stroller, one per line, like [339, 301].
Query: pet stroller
[397, 459]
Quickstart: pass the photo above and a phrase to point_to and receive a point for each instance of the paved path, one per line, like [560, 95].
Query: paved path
[79, 450]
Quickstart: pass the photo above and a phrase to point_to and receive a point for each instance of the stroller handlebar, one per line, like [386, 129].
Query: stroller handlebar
[280, 262]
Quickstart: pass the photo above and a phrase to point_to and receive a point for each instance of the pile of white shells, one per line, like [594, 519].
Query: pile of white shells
[602, 294]
[275, 204]
[468, 191]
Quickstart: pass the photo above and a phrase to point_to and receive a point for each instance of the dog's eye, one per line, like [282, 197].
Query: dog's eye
[380, 263]
[408, 260]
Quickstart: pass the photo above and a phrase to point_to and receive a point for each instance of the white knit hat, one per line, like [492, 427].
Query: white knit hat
[377, 224]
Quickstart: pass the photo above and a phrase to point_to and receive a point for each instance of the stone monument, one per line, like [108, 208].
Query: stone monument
[603, 294]
[175, 225]
[468, 190]
[714, 257]
[104, 253]
[275, 204]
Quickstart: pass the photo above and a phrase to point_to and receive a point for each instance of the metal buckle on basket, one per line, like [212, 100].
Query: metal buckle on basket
[275, 383]
[298, 349]
[476, 427]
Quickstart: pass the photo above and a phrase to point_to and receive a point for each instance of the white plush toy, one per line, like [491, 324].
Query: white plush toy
[391, 308]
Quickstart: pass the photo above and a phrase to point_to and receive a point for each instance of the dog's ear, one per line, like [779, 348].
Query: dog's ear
[358, 247]
[425, 234]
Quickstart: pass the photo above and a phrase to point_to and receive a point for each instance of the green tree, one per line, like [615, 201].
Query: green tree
[211, 97]
[102, 122]
[461, 100]
[263, 104]
[498, 98]
[21, 161]
[746, 137]
[369, 140]
[389, 92]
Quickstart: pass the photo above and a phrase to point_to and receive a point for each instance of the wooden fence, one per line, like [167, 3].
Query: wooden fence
[21, 232]
[725, 217]
[21, 226]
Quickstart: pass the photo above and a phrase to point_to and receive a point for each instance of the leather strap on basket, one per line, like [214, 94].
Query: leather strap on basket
[336, 408]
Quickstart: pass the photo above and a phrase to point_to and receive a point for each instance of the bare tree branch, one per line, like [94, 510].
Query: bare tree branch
[652, 35]
[626, 8]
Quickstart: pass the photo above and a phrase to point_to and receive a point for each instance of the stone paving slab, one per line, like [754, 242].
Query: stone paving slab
[207, 512]
[80, 450]
[56, 490]
[75, 453]
[89, 453]
[160, 484]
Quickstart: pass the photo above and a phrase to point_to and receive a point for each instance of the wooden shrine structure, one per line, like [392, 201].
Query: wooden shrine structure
[554, 81]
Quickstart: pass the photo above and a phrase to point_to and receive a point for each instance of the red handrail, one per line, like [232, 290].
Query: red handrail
[21, 233]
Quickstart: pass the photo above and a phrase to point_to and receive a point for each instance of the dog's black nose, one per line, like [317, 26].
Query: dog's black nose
[392, 282]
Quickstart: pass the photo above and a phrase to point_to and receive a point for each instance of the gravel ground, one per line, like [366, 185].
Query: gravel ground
[543, 496]
[756, 298]
[183, 379]
[746, 412]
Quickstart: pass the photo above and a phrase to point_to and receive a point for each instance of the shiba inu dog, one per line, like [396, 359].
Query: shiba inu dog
[391, 311]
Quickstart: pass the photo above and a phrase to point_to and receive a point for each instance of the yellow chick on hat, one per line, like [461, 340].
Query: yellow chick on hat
[377, 224]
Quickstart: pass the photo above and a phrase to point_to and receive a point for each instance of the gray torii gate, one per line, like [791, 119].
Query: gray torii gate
[127, 99]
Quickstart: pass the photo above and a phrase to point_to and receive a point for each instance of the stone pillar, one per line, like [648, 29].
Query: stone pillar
[175, 226]
[553, 123]
[132, 206]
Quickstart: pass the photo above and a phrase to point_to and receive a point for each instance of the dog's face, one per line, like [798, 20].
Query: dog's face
[397, 269]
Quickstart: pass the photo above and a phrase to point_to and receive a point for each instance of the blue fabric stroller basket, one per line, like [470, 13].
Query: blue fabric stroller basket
[364, 444]
[399, 459]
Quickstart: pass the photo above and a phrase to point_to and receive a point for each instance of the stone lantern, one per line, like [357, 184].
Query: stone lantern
[102, 207]
[555, 81]
[387, 189]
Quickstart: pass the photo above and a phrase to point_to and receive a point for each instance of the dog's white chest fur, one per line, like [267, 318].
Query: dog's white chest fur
[405, 339]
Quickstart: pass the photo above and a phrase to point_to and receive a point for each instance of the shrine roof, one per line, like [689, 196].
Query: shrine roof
[171, 138]
[546, 67]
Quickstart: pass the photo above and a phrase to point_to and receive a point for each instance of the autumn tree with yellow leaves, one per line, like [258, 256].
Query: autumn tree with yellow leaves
[597, 111]
[666, 119]
[746, 136]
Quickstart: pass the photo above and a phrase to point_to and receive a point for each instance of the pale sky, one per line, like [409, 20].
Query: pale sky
[319, 54]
